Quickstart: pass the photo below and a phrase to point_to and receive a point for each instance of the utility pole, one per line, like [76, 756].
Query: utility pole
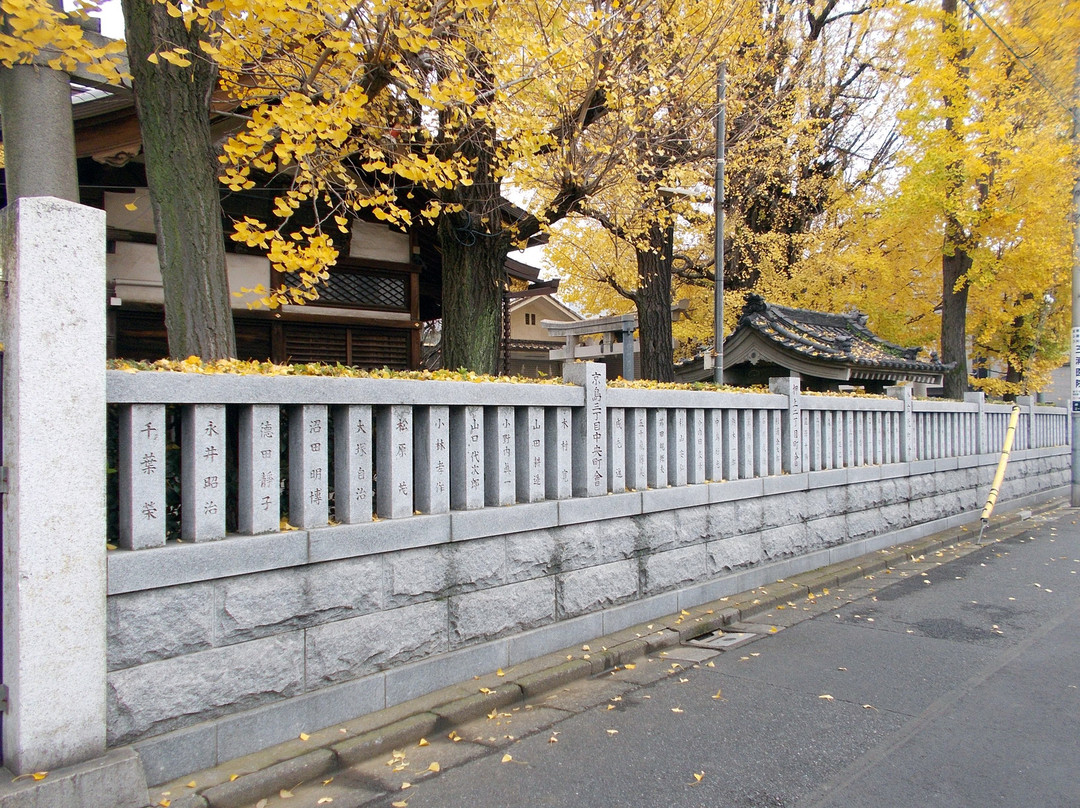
[718, 203]
[1075, 376]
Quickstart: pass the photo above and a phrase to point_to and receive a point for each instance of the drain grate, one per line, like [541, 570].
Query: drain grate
[723, 640]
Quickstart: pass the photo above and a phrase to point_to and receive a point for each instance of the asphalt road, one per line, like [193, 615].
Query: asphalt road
[956, 686]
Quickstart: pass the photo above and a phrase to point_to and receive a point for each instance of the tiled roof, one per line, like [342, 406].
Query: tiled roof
[835, 338]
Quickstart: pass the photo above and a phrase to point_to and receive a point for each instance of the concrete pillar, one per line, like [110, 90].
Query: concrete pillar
[308, 489]
[499, 466]
[394, 461]
[259, 489]
[589, 429]
[617, 449]
[202, 473]
[352, 463]
[637, 449]
[529, 435]
[39, 139]
[431, 464]
[792, 449]
[982, 434]
[54, 511]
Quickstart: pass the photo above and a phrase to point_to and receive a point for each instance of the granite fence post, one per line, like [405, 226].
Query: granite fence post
[982, 433]
[907, 422]
[791, 445]
[53, 329]
[589, 429]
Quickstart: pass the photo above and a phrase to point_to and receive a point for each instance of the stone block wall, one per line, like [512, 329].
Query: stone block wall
[215, 667]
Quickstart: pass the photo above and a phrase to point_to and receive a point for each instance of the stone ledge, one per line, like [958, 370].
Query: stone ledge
[115, 780]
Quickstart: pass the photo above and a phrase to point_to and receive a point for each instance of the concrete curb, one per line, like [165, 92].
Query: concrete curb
[246, 780]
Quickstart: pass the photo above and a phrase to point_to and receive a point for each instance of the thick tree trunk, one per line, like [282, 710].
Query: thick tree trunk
[955, 259]
[173, 104]
[954, 267]
[472, 289]
[653, 298]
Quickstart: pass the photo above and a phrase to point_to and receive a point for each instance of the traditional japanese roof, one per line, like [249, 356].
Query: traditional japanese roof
[815, 343]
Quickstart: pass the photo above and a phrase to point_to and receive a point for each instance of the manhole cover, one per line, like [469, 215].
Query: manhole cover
[723, 640]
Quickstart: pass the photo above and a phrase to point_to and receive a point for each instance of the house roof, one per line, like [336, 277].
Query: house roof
[815, 338]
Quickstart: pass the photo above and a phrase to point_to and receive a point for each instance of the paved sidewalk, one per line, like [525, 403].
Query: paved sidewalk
[810, 712]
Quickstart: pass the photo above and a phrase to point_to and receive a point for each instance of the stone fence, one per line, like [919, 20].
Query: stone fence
[435, 531]
[438, 530]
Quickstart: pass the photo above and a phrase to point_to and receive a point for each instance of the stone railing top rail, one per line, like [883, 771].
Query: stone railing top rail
[151, 387]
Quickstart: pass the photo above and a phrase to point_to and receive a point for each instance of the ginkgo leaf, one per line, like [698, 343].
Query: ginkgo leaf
[630, 666]
[612, 732]
[486, 690]
[507, 758]
[500, 672]
[191, 784]
[676, 710]
[423, 742]
[826, 697]
[434, 767]
[324, 800]
[304, 736]
[400, 804]
[406, 785]
[699, 776]
[285, 794]
[718, 696]
[233, 777]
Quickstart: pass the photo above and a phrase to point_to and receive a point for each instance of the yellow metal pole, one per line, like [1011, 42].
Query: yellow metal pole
[999, 475]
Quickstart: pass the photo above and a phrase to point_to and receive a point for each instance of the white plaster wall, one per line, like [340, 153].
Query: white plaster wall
[379, 242]
[134, 269]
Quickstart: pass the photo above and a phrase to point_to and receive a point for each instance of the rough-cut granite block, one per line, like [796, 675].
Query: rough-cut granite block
[675, 568]
[593, 588]
[591, 544]
[172, 693]
[530, 555]
[144, 626]
[504, 610]
[265, 603]
[349, 649]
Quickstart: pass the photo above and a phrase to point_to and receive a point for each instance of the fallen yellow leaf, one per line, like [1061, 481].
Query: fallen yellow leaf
[285, 794]
[131, 206]
[405, 786]
[400, 804]
[164, 803]
[612, 732]
[304, 736]
[629, 666]
[500, 672]
[324, 800]
[676, 710]
[453, 736]
[507, 758]
[233, 777]
[826, 697]
[717, 696]
[611, 706]
[423, 742]
[328, 781]
[710, 664]
[486, 690]
[434, 767]
[699, 776]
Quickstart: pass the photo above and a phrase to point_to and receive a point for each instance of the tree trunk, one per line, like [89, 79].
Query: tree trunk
[173, 104]
[473, 280]
[954, 267]
[653, 299]
[955, 259]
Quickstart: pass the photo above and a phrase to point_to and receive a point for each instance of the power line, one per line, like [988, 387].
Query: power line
[1034, 74]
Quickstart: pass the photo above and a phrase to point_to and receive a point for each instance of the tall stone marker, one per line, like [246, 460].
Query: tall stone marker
[54, 510]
